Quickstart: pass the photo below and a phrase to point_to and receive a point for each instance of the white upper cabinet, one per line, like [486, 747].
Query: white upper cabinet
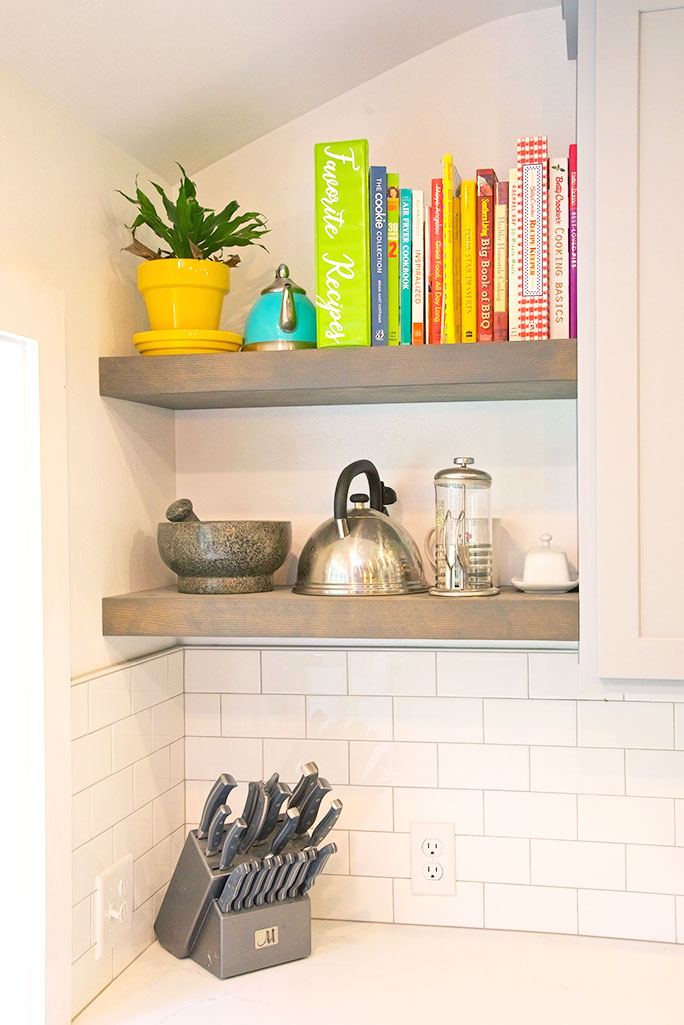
[638, 509]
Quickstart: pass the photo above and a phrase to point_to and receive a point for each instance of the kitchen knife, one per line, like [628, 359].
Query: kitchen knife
[308, 810]
[217, 796]
[306, 783]
[215, 831]
[233, 884]
[286, 831]
[315, 867]
[271, 783]
[250, 801]
[327, 822]
[272, 892]
[264, 869]
[249, 880]
[276, 799]
[255, 822]
[231, 841]
[300, 858]
[297, 879]
[277, 862]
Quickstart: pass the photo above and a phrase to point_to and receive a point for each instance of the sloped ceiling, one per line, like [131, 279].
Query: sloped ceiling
[166, 80]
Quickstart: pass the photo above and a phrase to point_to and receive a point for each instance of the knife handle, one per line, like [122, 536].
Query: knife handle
[216, 796]
[264, 868]
[247, 885]
[298, 877]
[327, 822]
[316, 867]
[255, 821]
[215, 833]
[276, 798]
[279, 877]
[306, 781]
[271, 782]
[300, 859]
[309, 808]
[268, 881]
[287, 830]
[232, 885]
[230, 843]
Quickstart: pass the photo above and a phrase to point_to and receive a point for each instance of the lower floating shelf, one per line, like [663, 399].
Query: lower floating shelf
[509, 616]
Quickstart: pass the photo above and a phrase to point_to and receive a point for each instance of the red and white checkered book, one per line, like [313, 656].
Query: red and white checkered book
[533, 227]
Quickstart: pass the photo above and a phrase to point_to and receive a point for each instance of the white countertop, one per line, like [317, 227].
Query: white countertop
[360, 973]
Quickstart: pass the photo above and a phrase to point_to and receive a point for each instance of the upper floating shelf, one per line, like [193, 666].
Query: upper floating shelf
[319, 377]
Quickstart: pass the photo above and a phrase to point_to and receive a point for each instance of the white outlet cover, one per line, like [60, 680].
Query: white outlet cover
[421, 883]
[113, 905]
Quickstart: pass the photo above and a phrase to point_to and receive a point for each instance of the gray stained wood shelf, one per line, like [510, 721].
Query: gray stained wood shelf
[375, 374]
[508, 616]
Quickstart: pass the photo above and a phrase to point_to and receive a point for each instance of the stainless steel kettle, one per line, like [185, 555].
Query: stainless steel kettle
[360, 551]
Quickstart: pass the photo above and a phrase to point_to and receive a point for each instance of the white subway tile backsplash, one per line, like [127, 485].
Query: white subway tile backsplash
[292, 671]
[81, 931]
[484, 766]
[464, 910]
[176, 670]
[655, 773]
[134, 834]
[132, 739]
[625, 724]
[679, 823]
[208, 757]
[177, 762]
[481, 674]
[91, 759]
[152, 871]
[149, 683]
[634, 916]
[262, 715]
[352, 898]
[88, 978]
[87, 862]
[578, 863]
[391, 672]
[366, 808]
[80, 819]
[288, 756]
[111, 800]
[438, 719]
[537, 908]
[168, 813]
[222, 671]
[545, 816]
[109, 698]
[348, 718]
[379, 854]
[463, 808]
[493, 859]
[151, 777]
[137, 940]
[655, 869]
[398, 764]
[168, 722]
[339, 864]
[577, 770]
[529, 722]
[79, 710]
[625, 820]
[203, 715]
[555, 674]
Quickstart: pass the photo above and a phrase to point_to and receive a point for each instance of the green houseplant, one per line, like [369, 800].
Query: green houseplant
[184, 281]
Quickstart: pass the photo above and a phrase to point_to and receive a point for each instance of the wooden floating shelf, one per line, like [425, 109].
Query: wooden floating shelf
[371, 374]
[509, 616]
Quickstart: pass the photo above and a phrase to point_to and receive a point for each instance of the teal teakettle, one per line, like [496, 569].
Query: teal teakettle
[282, 317]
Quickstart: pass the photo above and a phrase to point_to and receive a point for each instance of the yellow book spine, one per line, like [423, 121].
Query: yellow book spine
[468, 262]
[458, 310]
[448, 324]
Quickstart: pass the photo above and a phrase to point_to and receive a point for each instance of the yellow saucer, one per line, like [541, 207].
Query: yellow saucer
[177, 342]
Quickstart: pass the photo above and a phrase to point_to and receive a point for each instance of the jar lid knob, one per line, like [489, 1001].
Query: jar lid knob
[463, 460]
[546, 539]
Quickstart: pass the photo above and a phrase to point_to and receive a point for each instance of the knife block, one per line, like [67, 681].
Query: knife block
[254, 938]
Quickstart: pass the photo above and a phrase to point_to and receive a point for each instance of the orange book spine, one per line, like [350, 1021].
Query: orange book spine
[486, 188]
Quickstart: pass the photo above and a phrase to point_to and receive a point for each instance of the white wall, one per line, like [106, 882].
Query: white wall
[62, 224]
[284, 462]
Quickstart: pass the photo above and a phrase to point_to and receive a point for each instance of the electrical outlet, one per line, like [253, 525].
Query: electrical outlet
[433, 862]
[113, 905]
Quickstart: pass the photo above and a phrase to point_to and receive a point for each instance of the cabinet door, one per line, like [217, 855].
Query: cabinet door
[640, 337]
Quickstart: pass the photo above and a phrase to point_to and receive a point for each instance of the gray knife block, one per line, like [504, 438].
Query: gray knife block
[254, 938]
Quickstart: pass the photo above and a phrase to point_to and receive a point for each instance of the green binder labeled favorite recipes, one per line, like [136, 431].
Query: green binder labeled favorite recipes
[342, 243]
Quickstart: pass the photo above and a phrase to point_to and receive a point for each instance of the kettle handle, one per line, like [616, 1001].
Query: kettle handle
[342, 491]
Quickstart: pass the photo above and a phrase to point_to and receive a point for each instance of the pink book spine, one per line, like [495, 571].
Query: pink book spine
[572, 237]
[533, 219]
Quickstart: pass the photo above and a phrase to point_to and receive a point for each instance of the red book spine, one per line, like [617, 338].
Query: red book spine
[486, 188]
[436, 237]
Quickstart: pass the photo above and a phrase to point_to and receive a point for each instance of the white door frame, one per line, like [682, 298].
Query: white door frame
[31, 309]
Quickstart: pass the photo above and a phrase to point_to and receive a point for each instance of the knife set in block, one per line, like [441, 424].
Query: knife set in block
[238, 898]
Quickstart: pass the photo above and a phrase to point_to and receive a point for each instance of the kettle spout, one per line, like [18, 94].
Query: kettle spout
[342, 527]
[288, 312]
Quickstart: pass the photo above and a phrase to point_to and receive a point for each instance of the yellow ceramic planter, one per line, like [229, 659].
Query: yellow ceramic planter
[183, 294]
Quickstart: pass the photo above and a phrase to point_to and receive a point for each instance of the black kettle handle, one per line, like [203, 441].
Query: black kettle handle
[342, 491]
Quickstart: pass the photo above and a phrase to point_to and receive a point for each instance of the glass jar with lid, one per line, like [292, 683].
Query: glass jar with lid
[463, 530]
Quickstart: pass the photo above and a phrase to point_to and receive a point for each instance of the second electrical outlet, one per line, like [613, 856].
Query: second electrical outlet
[433, 865]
